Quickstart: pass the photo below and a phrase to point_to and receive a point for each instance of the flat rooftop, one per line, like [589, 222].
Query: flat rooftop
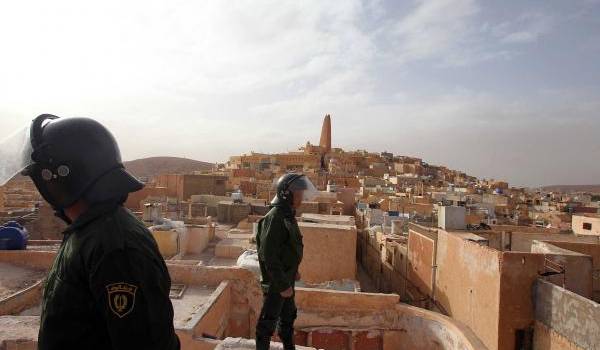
[16, 329]
[328, 219]
[589, 215]
[326, 226]
[16, 278]
[192, 301]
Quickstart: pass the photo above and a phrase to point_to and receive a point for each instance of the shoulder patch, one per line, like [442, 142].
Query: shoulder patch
[121, 298]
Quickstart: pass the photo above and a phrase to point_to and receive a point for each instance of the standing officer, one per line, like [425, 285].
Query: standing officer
[280, 249]
[109, 286]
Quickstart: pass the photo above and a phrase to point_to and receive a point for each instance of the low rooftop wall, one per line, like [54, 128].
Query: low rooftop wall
[346, 320]
[329, 252]
[577, 267]
[573, 319]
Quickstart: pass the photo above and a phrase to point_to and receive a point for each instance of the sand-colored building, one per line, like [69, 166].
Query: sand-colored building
[586, 224]
[486, 279]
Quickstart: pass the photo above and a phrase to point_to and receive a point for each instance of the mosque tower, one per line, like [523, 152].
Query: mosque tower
[325, 142]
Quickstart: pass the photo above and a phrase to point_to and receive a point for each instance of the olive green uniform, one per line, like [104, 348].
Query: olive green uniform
[108, 287]
[280, 250]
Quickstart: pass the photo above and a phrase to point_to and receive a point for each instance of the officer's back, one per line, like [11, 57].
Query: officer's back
[108, 287]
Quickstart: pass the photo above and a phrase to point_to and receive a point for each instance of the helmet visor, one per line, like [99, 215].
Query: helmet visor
[15, 154]
[309, 191]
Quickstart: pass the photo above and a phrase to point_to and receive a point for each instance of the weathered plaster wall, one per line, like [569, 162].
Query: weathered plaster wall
[246, 295]
[197, 239]
[491, 291]
[249, 344]
[321, 299]
[28, 258]
[421, 261]
[19, 332]
[385, 261]
[577, 224]
[592, 250]
[329, 252]
[22, 300]
[578, 267]
[545, 338]
[376, 321]
[572, 316]
[521, 242]
[518, 273]
[214, 318]
[168, 242]
[47, 225]
[468, 284]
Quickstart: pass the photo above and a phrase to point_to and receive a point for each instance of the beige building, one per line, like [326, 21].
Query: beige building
[586, 224]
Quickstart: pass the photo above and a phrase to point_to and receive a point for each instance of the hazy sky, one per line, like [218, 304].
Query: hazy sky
[502, 89]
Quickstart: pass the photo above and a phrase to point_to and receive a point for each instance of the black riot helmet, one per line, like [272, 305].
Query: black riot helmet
[288, 183]
[76, 158]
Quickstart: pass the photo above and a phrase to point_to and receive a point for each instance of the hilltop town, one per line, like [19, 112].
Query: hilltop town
[399, 253]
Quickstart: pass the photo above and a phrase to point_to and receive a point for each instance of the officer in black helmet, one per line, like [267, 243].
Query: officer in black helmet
[109, 286]
[280, 249]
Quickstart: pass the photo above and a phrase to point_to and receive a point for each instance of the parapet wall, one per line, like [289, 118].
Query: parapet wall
[243, 300]
[329, 252]
[326, 318]
[491, 290]
[577, 267]
[467, 284]
[592, 250]
[28, 258]
[564, 319]
[22, 300]
[366, 321]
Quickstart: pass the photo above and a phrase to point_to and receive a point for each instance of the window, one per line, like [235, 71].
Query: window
[587, 226]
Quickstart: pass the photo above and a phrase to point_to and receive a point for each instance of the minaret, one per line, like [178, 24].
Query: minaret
[325, 142]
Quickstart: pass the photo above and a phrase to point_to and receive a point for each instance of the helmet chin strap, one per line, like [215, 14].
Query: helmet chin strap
[60, 213]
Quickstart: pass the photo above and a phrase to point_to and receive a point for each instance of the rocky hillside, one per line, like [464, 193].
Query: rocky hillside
[150, 167]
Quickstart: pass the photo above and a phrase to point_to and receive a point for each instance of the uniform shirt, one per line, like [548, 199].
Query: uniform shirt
[108, 287]
[280, 249]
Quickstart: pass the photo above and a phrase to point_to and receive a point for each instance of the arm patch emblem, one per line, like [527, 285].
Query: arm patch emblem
[121, 298]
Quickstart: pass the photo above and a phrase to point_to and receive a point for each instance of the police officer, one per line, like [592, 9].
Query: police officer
[280, 250]
[109, 286]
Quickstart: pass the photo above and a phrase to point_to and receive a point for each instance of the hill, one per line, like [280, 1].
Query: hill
[572, 188]
[152, 166]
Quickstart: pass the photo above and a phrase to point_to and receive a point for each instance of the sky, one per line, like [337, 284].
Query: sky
[506, 89]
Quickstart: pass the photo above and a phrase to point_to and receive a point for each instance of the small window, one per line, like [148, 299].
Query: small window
[587, 226]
